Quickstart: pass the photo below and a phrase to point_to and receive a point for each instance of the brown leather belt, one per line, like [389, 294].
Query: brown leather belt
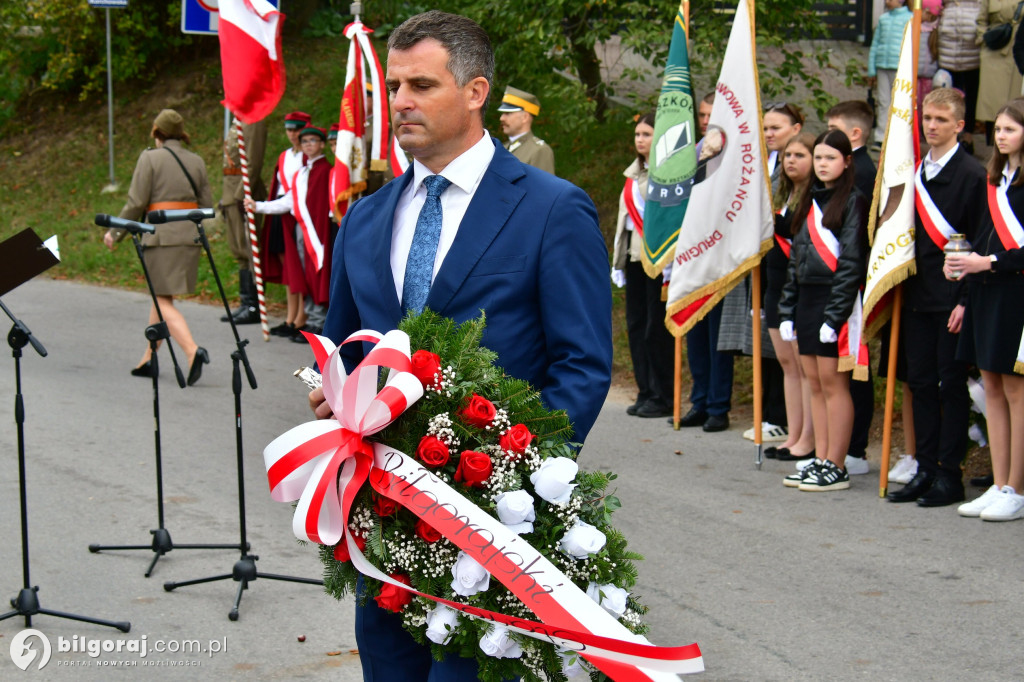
[171, 205]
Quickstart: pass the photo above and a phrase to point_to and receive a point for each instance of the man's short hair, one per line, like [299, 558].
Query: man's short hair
[947, 97]
[709, 98]
[469, 49]
[855, 113]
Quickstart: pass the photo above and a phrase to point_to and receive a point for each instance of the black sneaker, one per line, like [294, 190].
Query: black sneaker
[829, 477]
[809, 472]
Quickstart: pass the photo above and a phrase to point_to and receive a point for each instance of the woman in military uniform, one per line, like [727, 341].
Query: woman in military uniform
[169, 177]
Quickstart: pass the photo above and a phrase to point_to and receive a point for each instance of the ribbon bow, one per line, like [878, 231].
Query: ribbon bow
[306, 462]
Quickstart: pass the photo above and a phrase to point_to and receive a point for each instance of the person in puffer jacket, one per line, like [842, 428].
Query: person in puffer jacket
[827, 266]
[961, 56]
[884, 57]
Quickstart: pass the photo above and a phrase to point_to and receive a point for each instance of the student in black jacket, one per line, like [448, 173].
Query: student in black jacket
[994, 317]
[826, 272]
[950, 187]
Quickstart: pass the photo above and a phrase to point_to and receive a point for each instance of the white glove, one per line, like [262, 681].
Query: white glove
[786, 330]
[827, 334]
[618, 277]
[666, 274]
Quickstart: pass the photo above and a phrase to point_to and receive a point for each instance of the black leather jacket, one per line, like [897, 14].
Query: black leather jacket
[807, 267]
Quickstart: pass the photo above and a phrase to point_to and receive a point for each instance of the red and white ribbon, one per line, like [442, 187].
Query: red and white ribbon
[935, 224]
[323, 464]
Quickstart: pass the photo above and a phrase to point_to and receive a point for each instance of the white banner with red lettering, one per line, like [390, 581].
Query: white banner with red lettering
[891, 222]
[323, 464]
[729, 222]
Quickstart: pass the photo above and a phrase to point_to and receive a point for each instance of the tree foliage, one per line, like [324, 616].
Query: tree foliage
[61, 45]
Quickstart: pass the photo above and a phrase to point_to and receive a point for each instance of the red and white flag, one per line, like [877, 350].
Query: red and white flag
[729, 223]
[357, 111]
[399, 160]
[251, 59]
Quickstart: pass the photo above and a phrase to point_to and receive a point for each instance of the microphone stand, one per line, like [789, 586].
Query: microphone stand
[162, 543]
[244, 571]
[27, 602]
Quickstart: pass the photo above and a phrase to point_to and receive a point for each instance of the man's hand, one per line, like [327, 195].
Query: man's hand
[319, 405]
[108, 239]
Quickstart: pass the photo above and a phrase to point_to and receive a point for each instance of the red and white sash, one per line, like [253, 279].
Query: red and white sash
[314, 247]
[282, 177]
[935, 224]
[1011, 235]
[634, 204]
[784, 243]
[853, 352]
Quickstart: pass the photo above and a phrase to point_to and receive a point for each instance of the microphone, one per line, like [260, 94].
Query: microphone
[104, 220]
[172, 215]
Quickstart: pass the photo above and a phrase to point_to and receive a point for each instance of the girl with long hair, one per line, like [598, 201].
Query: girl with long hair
[826, 270]
[994, 318]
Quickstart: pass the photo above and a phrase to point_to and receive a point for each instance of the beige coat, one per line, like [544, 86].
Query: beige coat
[533, 151]
[623, 244]
[1000, 80]
[158, 177]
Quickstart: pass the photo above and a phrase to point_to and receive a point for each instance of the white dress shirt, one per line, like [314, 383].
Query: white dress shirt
[465, 173]
[933, 167]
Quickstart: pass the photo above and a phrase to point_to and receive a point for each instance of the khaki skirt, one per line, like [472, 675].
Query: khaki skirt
[173, 269]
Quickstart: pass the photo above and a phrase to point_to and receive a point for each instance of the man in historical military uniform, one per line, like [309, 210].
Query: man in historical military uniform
[518, 108]
[255, 137]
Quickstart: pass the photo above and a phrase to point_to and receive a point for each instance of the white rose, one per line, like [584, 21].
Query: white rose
[470, 576]
[572, 666]
[441, 624]
[515, 510]
[553, 481]
[498, 644]
[582, 540]
[611, 598]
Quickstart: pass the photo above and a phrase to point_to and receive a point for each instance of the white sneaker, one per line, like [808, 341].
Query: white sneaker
[770, 433]
[856, 466]
[904, 470]
[1007, 507]
[974, 508]
[804, 463]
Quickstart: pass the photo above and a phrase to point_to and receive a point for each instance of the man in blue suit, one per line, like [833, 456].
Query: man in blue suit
[513, 241]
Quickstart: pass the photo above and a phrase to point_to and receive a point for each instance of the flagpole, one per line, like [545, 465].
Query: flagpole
[755, 295]
[897, 296]
[677, 380]
[254, 242]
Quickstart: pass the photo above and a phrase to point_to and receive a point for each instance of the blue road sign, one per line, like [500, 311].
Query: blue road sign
[200, 16]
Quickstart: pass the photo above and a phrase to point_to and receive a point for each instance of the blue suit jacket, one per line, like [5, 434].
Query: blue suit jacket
[528, 252]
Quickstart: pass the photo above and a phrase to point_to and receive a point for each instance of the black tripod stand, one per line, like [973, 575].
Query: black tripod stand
[162, 543]
[244, 571]
[27, 602]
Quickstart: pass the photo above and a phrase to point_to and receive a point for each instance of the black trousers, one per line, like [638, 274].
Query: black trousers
[651, 346]
[863, 395]
[939, 384]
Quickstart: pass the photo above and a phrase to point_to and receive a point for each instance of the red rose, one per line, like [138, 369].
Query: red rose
[474, 468]
[516, 440]
[393, 598]
[478, 412]
[426, 366]
[432, 452]
[384, 506]
[427, 532]
[341, 549]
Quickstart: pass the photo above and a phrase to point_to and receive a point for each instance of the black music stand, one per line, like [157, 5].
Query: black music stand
[22, 257]
[244, 571]
[162, 543]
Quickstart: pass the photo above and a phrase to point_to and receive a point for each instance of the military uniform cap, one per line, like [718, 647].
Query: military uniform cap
[519, 100]
[170, 123]
[313, 130]
[297, 119]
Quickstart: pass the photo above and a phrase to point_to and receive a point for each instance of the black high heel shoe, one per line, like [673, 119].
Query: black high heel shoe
[145, 370]
[196, 370]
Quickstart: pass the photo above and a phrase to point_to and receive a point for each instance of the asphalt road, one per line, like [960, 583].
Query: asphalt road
[774, 584]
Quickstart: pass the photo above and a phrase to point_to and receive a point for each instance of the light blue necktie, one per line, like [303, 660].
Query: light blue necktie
[420, 267]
